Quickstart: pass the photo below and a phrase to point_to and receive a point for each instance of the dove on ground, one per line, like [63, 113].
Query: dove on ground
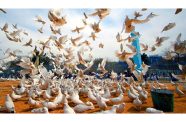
[83, 107]
[9, 104]
[33, 102]
[67, 109]
[111, 111]
[49, 105]
[40, 110]
[179, 92]
[120, 108]
[15, 96]
[137, 103]
[101, 103]
[153, 110]
[120, 98]
[131, 95]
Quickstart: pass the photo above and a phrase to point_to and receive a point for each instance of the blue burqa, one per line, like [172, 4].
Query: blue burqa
[137, 58]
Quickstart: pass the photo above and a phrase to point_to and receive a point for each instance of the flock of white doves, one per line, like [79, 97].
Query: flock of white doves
[46, 92]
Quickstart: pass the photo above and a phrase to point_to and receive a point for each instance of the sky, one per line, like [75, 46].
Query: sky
[110, 26]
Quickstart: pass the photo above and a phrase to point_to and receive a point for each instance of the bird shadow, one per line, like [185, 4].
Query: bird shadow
[92, 111]
[3, 112]
[182, 101]
[128, 101]
[134, 110]
[27, 109]
[58, 108]
[72, 104]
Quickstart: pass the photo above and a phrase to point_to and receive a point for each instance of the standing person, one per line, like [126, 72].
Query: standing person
[37, 56]
[157, 76]
[152, 76]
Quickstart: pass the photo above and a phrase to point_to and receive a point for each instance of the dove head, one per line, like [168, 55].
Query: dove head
[89, 103]
[63, 18]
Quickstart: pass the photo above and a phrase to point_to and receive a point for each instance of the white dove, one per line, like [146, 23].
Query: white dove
[101, 103]
[38, 91]
[40, 110]
[84, 90]
[59, 98]
[67, 109]
[15, 96]
[90, 95]
[179, 92]
[31, 93]
[82, 107]
[120, 98]
[111, 111]
[101, 91]
[119, 89]
[131, 95]
[20, 89]
[49, 105]
[33, 102]
[137, 103]
[46, 94]
[9, 105]
[161, 85]
[138, 88]
[153, 110]
[123, 88]
[106, 93]
[98, 94]
[75, 98]
[143, 95]
[133, 91]
[120, 108]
